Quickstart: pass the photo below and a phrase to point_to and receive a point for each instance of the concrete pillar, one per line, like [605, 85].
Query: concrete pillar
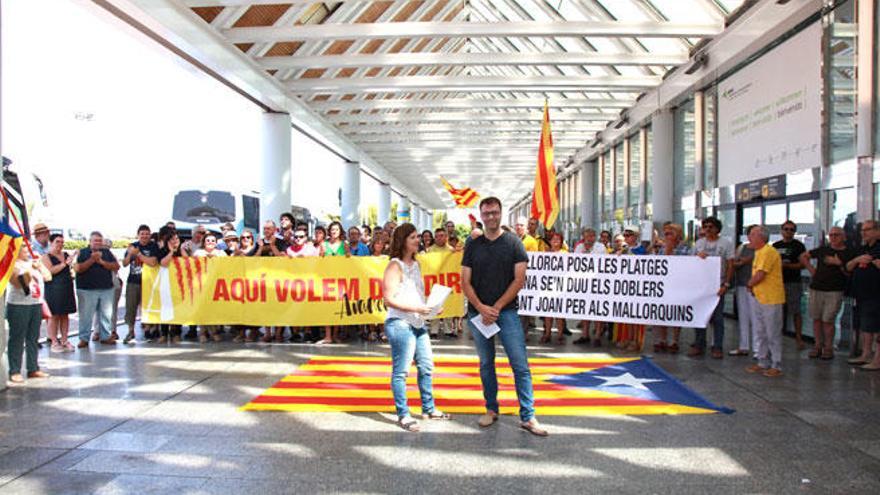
[662, 127]
[351, 193]
[384, 213]
[865, 124]
[588, 192]
[275, 166]
[4, 332]
[403, 211]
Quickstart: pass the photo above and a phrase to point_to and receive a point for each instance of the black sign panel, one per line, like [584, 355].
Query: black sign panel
[767, 188]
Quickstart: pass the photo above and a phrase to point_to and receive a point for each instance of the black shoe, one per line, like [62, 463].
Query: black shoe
[191, 334]
[566, 331]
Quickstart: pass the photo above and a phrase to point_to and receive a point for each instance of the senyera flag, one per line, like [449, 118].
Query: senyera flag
[464, 198]
[545, 196]
[10, 244]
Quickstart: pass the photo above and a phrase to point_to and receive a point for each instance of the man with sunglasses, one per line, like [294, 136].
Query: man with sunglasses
[301, 247]
[826, 289]
[712, 244]
[790, 250]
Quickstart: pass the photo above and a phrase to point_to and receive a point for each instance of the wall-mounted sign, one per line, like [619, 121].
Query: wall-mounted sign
[766, 188]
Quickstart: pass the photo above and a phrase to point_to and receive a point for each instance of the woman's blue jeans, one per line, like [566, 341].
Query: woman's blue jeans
[408, 343]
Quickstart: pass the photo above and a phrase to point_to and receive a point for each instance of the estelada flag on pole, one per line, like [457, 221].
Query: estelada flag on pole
[10, 245]
[545, 196]
[464, 198]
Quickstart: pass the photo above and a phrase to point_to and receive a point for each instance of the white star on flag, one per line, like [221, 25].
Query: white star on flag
[626, 380]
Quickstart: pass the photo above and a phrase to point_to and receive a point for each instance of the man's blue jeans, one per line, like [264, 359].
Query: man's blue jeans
[91, 301]
[717, 324]
[514, 343]
[408, 343]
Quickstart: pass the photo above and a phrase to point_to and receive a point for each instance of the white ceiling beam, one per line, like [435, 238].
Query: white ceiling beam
[460, 138]
[466, 117]
[474, 83]
[474, 103]
[448, 59]
[417, 128]
[234, 3]
[391, 30]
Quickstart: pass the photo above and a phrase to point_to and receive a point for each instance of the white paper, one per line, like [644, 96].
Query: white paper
[487, 330]
[437, 298]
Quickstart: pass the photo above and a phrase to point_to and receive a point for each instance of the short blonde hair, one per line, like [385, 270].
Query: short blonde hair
[679, 231]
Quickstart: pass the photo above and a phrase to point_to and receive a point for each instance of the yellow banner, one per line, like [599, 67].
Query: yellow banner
[284, 291]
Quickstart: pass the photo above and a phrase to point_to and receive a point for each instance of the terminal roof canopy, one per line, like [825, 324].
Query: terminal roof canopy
[457, 87]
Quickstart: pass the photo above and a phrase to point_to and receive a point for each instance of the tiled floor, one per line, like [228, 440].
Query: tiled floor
[158, 419]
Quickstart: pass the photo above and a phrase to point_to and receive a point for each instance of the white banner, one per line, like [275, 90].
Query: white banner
[675, 291]
[770, 112]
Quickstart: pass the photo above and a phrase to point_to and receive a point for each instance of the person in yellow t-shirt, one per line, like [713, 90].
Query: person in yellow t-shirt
[768, 298]
[448, 325]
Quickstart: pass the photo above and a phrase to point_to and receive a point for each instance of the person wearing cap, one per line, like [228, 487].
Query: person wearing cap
[231, 243]
[40, 239]
[225, 229]
[712, 244]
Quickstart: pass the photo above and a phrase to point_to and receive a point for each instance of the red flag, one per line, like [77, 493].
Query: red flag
[545, 196]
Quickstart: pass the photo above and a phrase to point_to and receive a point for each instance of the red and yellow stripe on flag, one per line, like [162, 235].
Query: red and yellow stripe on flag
[464, 198]
[545, 196]
[10, 245]
[362, 384]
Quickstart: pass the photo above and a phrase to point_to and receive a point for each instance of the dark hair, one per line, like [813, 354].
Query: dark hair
[320, 228]
[377, 240]
[366, 229]
[712, 221]
[303, 227]
[426, 231]
[52, 237]
[398, 239]
[166, 233]
[439, 229]
[554, 234]
[606, 232]
[341, 229]
[749, 228]
[479, 225]
[143, 227]
[491, 200]
[287, 216]
[789, 222]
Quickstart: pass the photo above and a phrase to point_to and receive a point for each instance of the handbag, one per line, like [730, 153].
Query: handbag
[46, 312]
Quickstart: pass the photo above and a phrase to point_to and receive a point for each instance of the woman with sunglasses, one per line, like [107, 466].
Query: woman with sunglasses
[247, 246]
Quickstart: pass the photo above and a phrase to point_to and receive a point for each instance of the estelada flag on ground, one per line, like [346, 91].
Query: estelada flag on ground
[10, 245]
[464, 198]
[284, 291]
[563, 386]
[545, 196]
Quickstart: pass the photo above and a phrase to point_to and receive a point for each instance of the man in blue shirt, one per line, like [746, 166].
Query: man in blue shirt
[40, 239]
[355, 246]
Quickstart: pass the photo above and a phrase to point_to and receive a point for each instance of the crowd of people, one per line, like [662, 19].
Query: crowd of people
[764, 278]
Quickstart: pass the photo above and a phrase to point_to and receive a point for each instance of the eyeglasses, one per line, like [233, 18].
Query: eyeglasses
[247, 237]
[299, 237]
[495, 213]
[210, 241]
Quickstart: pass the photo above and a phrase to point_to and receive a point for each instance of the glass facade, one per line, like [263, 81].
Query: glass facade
[684, 156]
[635, 173]
[619, 179]
[841, 81]
[648, 170]
[607, 191]
[710, 139]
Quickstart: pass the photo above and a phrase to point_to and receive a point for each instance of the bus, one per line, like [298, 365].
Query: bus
[213, 208]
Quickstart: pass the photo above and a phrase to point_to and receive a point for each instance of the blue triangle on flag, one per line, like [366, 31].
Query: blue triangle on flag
[642, 379]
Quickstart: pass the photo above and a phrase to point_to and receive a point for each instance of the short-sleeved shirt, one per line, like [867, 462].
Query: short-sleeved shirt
[830, 278]
[96, 277]
[790, 252]
[866, 281]
[216, 253]
[267, 250]
[360, 249]
[339, 250]
[720, 247]
[446, 248]
[598, 248]
[531, 244]
[39, 248]
[492, 265]
[36, 291]
[308, 250]
[150, 250]
[771, 289]
[743, 273]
